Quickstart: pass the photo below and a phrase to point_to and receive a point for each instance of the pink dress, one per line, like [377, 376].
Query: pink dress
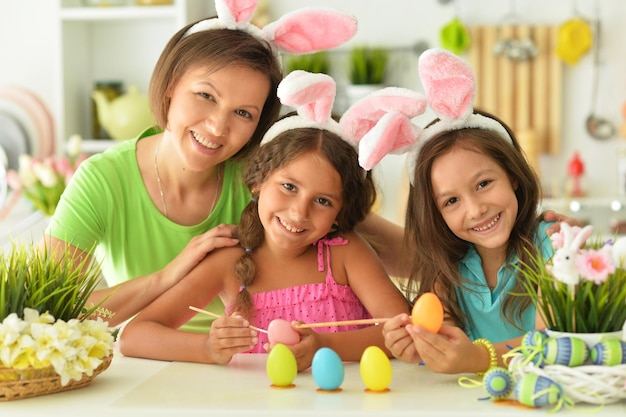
[311, 303]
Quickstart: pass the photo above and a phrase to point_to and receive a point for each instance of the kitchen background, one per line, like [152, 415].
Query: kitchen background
[57, 51]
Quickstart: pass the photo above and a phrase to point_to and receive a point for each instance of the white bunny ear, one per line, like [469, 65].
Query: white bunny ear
[449, 83]
[381, 123]
[365, 113]
[303, 31]
[311, 30]
[393, 133]
[235, 11]
[311, 94]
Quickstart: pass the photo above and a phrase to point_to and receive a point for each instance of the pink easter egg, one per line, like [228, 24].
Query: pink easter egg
[280, 331]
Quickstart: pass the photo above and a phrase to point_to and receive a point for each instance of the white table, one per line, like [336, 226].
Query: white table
[141, 387]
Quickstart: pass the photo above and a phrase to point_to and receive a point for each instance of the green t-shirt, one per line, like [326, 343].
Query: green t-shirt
[106, 204]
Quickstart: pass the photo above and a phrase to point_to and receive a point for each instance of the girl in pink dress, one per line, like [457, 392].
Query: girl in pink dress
[299, 258]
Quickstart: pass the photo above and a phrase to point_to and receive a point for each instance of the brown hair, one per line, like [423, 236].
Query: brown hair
[215, 49]
[433, 252]
[358, 190]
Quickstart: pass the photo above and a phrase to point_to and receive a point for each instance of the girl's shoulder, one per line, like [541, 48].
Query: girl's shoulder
[349, 245]
[223, 257]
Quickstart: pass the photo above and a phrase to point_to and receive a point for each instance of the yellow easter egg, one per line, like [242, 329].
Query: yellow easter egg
[428, 312]
[281, 366]
[375, 369]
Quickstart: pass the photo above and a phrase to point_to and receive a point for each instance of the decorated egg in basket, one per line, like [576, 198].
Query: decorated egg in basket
[565, 350]
[609, 351]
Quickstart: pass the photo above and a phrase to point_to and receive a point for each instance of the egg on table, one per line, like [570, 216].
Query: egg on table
[375, 369]
[327, 369]
[281, 331]
[281, 366]
[427, 312]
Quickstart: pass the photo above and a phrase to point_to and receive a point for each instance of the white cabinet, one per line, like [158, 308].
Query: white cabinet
[119, 43]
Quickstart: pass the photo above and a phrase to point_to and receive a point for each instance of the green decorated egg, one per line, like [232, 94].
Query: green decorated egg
[532, 346]
[498, 382]
[609, 351]
[537, 391]
[565, 350]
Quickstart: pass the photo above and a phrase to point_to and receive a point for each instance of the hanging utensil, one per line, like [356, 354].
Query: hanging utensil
[512, 47]
[598, 127]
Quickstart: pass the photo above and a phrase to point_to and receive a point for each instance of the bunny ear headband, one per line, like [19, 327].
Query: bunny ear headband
[450, 87]
[376, 125]
[300, 32]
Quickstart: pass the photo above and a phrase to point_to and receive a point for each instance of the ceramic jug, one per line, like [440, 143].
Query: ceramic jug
[125, 116]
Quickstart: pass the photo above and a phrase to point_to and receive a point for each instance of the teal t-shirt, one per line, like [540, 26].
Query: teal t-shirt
[483, 306]
[106, 204]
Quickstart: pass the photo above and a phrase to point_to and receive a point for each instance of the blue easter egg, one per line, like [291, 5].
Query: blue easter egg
[537, 391]
[498, 382]
[609, 351]
[565, 350]
[327, 369]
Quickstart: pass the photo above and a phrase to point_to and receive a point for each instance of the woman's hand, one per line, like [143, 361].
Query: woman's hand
[399, 341]
[230, 335]
[197, 248]
[552, 216]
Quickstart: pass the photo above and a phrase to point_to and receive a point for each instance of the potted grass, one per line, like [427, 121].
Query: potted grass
[51, 340]
[368, 68]
[580, 294]
[318, 62]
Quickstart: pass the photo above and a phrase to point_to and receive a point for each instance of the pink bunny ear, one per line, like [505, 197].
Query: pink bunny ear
[303, 31]
[449, 83]
[235, 11]
[311, 94]
[361, 117]
[394, 133]
[381, 123]
[311, 30]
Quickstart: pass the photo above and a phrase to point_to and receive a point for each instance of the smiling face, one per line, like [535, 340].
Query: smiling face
[475, 198]
[299, 202]
[212, 115]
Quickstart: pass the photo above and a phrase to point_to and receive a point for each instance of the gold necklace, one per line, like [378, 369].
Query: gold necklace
[158, 177]
[218, 185]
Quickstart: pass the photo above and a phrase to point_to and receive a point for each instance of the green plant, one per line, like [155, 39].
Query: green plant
[588, 294]
[368, 65]
[315, 63]
[31, 277]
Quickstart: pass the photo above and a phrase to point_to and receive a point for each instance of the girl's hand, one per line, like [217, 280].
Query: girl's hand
[304, 350]
[310, 342]
[229, 336]
[399, 341]
[450, 351]
[197, 248]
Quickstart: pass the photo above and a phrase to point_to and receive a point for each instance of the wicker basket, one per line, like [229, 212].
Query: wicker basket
[30, 382]
[593, 384]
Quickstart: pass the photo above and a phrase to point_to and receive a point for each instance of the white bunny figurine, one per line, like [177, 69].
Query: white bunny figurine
[563, 265]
